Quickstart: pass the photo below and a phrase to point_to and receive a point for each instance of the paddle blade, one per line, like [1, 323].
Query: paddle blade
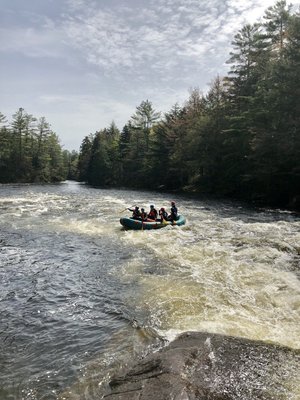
[126, 208]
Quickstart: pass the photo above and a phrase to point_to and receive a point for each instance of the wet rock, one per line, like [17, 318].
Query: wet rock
[204, 366]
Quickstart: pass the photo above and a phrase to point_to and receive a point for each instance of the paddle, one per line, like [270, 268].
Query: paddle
[126, 209]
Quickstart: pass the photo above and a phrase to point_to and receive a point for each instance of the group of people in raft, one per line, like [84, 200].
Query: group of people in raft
[153, 214]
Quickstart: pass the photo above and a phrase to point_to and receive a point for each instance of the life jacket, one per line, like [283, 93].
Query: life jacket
[163, 214]
[136, 213]
[152, 214]
[174, 211]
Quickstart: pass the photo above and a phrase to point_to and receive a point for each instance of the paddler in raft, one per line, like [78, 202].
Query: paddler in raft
[136, 214]
[152, 215]
[163, 215]
[143, 215]
[174, 212]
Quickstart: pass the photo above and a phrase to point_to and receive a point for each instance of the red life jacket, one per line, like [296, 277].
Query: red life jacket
[152, 214]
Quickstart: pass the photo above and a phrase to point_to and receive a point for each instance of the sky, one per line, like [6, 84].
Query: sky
[85, 63]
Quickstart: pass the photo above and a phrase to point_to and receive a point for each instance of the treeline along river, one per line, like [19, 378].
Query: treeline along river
[80, 296]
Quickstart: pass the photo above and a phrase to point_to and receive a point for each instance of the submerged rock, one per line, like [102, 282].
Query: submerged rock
[215, 367]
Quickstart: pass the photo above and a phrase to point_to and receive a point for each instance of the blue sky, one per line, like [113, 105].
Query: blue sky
[85, 63]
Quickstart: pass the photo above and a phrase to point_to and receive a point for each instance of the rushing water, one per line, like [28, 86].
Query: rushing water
[80, 296]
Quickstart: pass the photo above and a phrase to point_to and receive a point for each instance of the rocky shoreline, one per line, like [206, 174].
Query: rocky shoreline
[204, 366]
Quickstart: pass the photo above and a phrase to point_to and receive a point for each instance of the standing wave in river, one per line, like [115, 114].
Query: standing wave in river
[80, 296]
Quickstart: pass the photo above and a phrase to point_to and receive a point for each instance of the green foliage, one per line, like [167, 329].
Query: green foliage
[29, 150]
[84, 158]
[277, 20]
[70, 163]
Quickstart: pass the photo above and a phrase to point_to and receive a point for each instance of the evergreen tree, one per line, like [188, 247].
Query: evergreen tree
[6, 149]
[212, 165]
[40, 151]
[112, 138]
[174, 126]
[19, 127]
[276, 148]
[124, 150]
[143, 120]
[249, 67]
[70, 163]
[240, 139]
[99, 165]
[84, 158]
[29, 150]
[277, 19]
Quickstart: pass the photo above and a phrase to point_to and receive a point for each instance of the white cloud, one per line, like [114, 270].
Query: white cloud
[32, 42]
[100, 58]
[134, 38]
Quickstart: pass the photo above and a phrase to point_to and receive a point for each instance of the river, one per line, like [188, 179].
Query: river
[80, 296]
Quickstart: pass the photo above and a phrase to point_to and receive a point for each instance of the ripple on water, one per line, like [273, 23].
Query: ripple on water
[79, 296]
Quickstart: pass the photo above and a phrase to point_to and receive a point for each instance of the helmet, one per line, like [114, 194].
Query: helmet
[162, 209]
[173, 203]
[152, 206]
[142, 209]
[136, 207]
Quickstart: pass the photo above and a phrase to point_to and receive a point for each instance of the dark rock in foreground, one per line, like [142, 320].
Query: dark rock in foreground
[215, 367]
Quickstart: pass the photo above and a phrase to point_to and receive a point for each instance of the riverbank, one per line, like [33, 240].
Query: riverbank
[200, 365]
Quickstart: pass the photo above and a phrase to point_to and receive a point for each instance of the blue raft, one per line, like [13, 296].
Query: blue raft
[137, 224]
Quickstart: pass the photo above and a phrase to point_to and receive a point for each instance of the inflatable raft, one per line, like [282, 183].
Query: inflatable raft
[138, 224]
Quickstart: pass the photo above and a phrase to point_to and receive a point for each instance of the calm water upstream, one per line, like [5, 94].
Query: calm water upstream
[79, 296]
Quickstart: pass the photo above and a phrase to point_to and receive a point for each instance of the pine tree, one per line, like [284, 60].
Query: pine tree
[6, 148]
[99, 164]
[277, 19]
[143, 120]
[29, 151]
[84, 158]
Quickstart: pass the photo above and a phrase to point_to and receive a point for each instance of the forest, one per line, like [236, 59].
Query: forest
[31, 152]
[240, 140]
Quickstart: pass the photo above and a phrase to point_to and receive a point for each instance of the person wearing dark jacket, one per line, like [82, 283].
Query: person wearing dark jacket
[174, 212]
[152, 213]
[163, 214]
[135, 212]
